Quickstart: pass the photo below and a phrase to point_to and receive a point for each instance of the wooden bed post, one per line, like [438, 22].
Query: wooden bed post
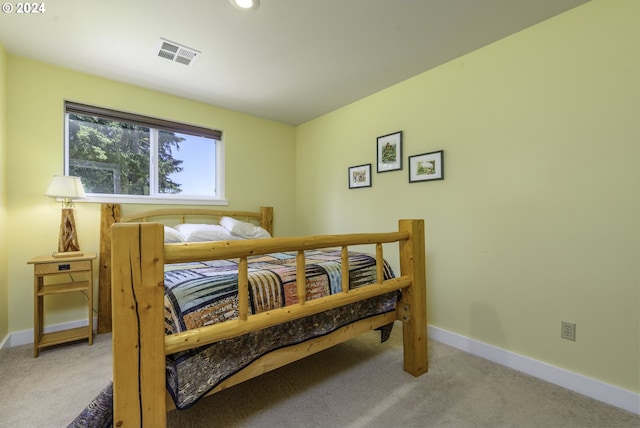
[266, 219]
[414, 299]
[138, 325]
[109, 214]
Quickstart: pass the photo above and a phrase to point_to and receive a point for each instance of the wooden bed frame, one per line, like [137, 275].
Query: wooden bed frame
[138, 255]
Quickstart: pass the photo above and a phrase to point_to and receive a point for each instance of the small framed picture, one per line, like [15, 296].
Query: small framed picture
[426, 167]
[360, 176]
[390, 152]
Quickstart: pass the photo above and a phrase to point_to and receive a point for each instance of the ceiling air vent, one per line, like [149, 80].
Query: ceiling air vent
[177, 53]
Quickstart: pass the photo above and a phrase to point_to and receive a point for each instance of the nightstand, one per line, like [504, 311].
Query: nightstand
[56, 275]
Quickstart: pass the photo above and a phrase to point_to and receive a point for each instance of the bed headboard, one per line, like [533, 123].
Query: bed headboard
[262, 218]
[110, 214]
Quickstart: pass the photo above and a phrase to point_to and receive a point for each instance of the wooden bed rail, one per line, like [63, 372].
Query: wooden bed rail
[199, 251]
[139, 342]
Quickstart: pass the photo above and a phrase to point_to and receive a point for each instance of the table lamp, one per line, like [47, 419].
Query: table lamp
[67, 188]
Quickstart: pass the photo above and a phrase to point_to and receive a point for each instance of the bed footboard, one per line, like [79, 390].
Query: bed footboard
[139, 342]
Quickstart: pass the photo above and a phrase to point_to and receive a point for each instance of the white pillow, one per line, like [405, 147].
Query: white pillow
[172, 236]
[203, 232]
[242, 229]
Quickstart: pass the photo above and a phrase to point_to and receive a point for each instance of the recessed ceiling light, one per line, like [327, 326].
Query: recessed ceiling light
[245, 4]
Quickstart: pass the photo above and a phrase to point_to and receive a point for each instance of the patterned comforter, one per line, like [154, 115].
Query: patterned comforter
[204, 293]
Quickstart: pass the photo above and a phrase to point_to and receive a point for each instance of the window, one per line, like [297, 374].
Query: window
[128, 157]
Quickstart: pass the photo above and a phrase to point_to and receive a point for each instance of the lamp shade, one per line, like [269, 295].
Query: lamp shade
[66, 186]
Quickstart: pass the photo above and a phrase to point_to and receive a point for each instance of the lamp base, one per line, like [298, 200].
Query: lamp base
[67, 241]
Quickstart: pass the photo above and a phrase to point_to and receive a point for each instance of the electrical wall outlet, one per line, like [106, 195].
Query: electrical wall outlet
[568, 330]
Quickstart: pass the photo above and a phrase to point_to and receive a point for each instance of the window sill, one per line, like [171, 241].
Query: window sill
[125, 199]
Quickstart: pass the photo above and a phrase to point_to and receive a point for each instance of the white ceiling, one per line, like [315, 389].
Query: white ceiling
[289, 60]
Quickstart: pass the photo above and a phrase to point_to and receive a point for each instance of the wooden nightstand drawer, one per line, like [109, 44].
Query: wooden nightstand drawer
[62, 267]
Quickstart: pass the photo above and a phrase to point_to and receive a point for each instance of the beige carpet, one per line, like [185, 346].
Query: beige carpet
[356, 384]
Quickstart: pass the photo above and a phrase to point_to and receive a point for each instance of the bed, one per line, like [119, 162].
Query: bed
[154, 331]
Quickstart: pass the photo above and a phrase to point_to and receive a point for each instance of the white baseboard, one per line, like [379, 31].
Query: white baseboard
[3, 348]
[4, 343]
[600, 391]
[25, 337]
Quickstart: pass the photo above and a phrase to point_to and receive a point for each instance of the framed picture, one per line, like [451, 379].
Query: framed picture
[390, 152]
[360, 176]
[426, 167]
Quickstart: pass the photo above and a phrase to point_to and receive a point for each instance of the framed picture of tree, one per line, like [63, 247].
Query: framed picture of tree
[390, 152]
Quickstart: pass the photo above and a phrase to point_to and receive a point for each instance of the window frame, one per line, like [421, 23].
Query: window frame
[156, 124]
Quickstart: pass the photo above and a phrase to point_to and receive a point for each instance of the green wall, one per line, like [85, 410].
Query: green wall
[259, 168]
[537, 218]
[4, 288]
